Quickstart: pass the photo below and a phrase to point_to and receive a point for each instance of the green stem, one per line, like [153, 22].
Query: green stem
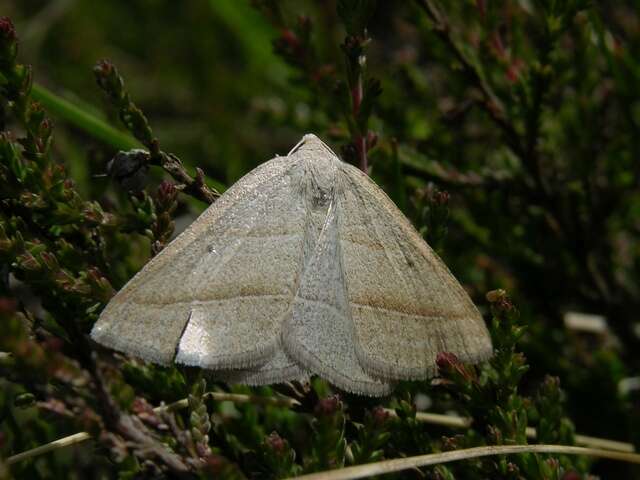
[85, 121]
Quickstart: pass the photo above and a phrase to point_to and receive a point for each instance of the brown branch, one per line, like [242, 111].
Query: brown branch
[491, 103]
[196, 187]
[426, 168]
[131, 428]
[454, 179]
[360, 140]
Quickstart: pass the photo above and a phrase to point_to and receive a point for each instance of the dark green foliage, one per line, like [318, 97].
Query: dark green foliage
[372, 437]
[278, 458]
[507, 132]
[499, 411]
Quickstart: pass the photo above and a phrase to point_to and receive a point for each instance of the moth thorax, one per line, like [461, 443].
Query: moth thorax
[322, 184]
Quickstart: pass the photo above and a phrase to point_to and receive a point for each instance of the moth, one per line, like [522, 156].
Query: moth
[304, 266]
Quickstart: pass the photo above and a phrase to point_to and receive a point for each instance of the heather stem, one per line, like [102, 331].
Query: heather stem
[360, 140]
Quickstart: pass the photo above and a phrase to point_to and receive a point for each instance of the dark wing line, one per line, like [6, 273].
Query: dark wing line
[456, 295]
[257, 356]
[438, 266]
[194, 231]
[376, 232]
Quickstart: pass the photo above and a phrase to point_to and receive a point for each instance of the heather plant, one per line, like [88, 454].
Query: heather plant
[506, 131]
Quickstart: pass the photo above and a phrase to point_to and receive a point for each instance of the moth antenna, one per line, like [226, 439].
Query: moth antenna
[297, 145]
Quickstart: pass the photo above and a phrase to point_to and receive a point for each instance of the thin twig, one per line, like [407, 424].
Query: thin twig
[399, 464]
[196, 187]
[132, 429]
[361, 140]
[453, 179]
[235, 398]
[49, 447]
[455, 421]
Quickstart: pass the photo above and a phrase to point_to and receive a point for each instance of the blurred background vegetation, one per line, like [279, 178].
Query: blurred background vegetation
[506, 130]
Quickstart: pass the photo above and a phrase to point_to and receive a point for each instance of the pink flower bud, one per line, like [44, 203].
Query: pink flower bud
[328, 406]
[7, 30]
[276, 443]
